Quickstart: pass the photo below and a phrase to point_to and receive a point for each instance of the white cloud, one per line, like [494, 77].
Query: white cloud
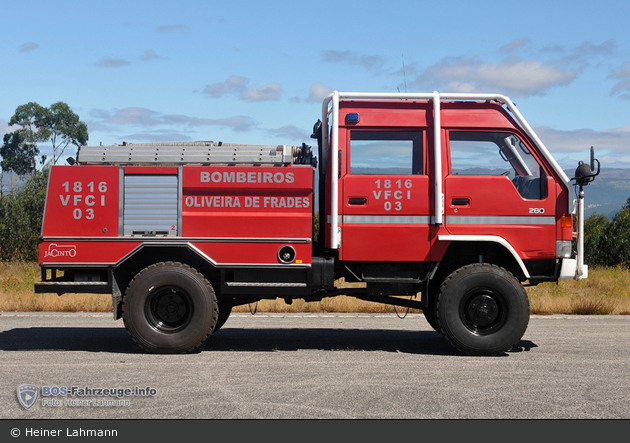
[110, 62]
[28, 47]
[237, 85]
[523, 70]
[590, 49]
[136, 116]
[142, 117]
[268, 92]
[291, 132]
[127, 116]
[318, 92]
[513, 76]
[514, 46]
[239, 123]
[611, 146]
[150, 54]
[354, 58]
[233, 85]
[622, 87]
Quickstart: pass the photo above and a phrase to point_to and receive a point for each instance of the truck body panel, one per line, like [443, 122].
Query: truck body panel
[82, 202]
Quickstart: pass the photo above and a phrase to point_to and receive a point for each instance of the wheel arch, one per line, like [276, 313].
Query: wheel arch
[147, 254]
[467, 249]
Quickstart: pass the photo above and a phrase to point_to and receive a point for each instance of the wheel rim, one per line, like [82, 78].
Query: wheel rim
[169, 309]
[483, 311]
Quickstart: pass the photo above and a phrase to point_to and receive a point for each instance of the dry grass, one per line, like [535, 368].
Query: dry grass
[606, 291]
[16, 293]
[333, 304]
[25, 302]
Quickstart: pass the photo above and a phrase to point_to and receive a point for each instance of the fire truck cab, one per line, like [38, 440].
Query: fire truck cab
[448, 203]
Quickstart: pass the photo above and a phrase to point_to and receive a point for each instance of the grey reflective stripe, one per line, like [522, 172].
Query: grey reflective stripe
[387, 219]
[500, 220]
[329, 219]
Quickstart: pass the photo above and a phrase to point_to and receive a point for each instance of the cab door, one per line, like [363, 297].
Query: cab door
[496, 186]
[385, 202]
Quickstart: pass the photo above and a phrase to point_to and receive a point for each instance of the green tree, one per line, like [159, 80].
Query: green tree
[615, 241]
[38, 124]
[16, 154]
[595, 226]
[21, 219]
[65, 128]
[30, 119]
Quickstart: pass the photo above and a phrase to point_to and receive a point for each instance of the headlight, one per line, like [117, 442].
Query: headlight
[563, 249]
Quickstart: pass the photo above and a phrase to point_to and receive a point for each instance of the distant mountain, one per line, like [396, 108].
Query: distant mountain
[607, 193]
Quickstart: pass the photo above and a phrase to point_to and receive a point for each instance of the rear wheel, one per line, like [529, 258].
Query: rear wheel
[169, 308]
[482, 309]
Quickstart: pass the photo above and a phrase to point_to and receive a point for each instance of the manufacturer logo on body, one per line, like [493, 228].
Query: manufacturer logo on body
[55, 250]
[27, 395]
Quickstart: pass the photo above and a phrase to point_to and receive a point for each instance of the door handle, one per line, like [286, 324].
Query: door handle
[460, 201]
[357, 201]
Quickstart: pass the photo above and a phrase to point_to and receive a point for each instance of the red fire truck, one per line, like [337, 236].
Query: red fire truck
[448, 203]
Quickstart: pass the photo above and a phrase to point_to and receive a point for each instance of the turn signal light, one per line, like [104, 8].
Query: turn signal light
[566, 221]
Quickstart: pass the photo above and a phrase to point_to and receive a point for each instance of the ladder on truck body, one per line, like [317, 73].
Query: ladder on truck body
[194, 153]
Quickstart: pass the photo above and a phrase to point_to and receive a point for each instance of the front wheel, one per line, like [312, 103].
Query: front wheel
[169, 308]
[482, 309]
[429, 311]
[225, 310]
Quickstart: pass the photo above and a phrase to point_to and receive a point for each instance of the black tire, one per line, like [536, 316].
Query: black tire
[169, 308]
[482, 309]
[429, 312]
[224, 313]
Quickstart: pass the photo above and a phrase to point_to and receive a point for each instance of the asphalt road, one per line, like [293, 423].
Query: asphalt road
[328, 366]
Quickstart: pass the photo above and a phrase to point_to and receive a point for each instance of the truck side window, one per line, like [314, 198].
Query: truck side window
[498, 153]
[386, 152]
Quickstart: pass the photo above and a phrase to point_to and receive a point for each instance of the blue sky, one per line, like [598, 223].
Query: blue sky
[256, 72]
